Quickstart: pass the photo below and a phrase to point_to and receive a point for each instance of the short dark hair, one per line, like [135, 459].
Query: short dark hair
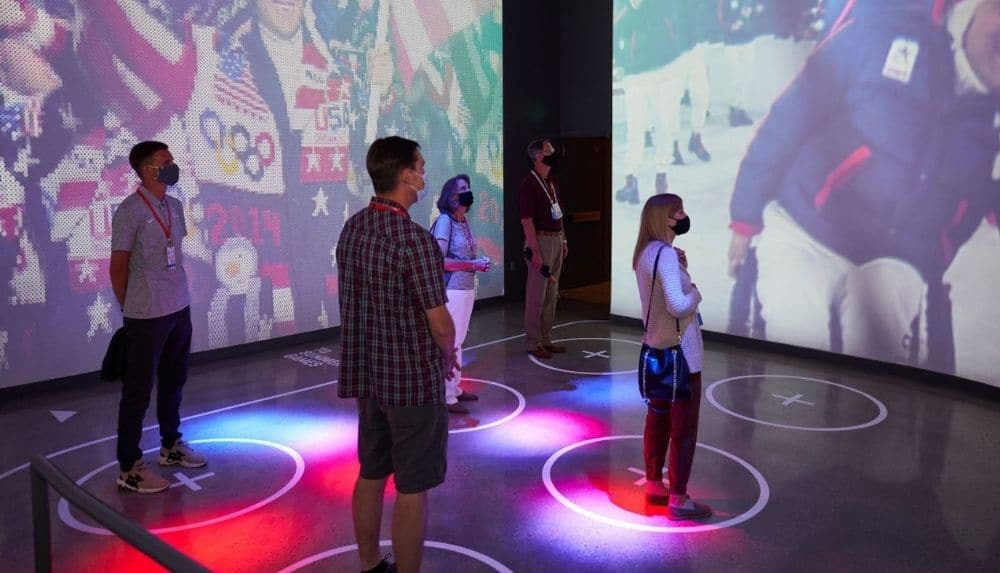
[141, 152]
[534, 147]
[386, 160]
[448, 201]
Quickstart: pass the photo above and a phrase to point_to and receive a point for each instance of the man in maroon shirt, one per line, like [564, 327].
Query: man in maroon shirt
[545, 247]
[398, 343]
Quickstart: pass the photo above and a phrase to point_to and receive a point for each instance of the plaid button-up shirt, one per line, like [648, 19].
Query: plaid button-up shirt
[390, 272]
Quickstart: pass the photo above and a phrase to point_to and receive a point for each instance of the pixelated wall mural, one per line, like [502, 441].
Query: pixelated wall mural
[268, 107]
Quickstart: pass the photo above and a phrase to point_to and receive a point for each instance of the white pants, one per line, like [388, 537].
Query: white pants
[459, 305]
[802, 285]
[740, 63]
[653, 100]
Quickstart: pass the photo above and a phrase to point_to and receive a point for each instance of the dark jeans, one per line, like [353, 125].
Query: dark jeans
[675, 426]
[157, 348]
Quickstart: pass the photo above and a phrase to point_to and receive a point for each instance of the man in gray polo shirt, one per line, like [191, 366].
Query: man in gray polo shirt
[147, 275]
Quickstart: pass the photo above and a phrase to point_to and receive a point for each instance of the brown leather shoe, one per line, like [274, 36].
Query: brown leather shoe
[540, 352]
[554, 348]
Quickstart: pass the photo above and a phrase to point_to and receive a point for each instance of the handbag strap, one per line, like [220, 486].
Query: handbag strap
[677, 321]
[652, 283]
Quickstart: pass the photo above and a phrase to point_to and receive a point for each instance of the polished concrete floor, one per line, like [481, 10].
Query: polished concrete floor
[810, 466]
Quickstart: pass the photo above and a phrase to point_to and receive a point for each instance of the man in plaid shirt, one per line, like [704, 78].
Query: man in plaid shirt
[398, 342]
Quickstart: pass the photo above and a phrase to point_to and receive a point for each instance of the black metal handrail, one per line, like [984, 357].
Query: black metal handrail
[44, 474]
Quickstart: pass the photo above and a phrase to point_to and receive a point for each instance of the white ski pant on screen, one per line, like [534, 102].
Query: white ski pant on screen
[802, 285]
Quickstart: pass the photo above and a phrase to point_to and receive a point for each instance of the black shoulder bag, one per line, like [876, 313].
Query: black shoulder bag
[663, 372]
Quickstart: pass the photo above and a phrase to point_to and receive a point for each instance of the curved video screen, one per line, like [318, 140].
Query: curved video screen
[268, 107]
[839, 160]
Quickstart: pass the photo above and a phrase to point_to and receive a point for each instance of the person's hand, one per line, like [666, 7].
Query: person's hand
[536, 259]
[738, 247]
[451, 365]
[482, 265]
[682, 257]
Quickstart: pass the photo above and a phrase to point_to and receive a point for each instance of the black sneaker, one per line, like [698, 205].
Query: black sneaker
[384, 566]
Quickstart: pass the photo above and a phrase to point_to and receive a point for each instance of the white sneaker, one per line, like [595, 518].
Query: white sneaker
[182, 453]
[141, 479]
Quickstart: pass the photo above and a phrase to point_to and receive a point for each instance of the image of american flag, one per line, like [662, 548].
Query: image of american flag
[234, 87]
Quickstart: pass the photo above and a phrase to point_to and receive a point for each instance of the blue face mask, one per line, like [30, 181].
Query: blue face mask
[169, 174]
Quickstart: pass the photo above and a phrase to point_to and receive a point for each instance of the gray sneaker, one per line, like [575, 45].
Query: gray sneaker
[182, 453]
[141, 479]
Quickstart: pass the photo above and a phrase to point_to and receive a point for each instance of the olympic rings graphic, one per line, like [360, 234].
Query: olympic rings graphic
[235, 147]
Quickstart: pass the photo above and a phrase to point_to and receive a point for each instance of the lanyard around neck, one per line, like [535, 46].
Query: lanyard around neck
[552, 197]
[391, 208]
[168, 227]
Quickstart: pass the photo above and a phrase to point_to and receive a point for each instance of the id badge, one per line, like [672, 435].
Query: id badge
[556, 212]
[171, 256]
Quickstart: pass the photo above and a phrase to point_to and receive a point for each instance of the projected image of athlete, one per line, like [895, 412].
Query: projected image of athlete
[868, 174]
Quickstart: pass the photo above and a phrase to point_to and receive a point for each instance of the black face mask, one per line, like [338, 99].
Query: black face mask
[551, 160]
[683, 225]
[465, 199]
[169, 174]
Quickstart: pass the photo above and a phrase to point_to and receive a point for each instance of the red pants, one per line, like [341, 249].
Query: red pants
[674, 427]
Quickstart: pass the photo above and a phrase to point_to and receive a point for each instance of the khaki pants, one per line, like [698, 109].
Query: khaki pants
[541, 293]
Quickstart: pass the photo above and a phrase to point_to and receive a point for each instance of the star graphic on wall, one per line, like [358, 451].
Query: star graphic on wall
[98, 313]
[320, 200]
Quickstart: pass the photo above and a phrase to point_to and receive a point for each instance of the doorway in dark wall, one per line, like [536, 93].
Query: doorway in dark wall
[585, 183]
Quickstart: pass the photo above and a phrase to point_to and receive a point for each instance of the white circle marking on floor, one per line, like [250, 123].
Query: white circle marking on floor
[486, 560]
[300, 468]
[521, 403]
[883, 412]
[584, 373]
[758, 506]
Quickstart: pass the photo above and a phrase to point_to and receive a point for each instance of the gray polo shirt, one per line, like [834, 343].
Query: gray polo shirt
[460, 245]
[153, 290]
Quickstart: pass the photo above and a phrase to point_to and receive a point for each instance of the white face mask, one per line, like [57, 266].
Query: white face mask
[422, 192]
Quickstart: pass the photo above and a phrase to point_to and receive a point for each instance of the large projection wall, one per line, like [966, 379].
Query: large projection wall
[858, 150]
[268, 107]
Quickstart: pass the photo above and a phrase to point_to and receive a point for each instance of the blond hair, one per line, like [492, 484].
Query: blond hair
[654, 224]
